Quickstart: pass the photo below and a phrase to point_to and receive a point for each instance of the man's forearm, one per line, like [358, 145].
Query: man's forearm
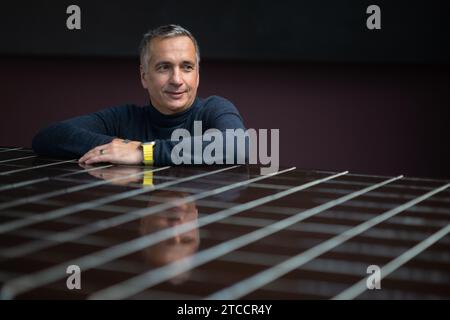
[65, 140]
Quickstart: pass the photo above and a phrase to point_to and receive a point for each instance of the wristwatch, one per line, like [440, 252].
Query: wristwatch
[147, 149]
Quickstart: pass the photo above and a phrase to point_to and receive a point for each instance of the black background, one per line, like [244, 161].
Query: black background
[293, 30]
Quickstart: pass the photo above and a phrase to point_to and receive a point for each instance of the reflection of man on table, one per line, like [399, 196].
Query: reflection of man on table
[182, 244]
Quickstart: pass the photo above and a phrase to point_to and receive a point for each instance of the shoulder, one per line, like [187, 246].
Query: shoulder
[215, 106]
[218, 112]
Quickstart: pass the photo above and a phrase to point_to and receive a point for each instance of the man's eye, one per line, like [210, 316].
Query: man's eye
[162, 67]
[188, 67]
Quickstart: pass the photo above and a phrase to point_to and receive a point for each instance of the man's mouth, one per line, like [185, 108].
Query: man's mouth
[175, 94]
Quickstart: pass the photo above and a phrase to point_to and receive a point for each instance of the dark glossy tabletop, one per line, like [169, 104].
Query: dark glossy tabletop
[216, 232]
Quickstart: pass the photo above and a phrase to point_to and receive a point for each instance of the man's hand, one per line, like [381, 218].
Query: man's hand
[118, 151]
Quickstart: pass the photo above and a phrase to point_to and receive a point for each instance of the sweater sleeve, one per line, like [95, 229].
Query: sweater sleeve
[74, 137]
[221, 115]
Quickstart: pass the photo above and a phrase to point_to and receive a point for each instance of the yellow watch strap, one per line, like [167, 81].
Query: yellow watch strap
[148, 178]
[147, 149]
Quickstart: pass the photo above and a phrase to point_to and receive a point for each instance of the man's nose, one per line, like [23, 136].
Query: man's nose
[177, 238]
[176, 78]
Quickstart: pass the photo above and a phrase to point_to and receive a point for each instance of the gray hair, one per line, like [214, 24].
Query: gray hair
[166, 31]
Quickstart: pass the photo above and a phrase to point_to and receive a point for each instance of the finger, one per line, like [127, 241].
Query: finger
[87, 156]
[94, 152]
[98, 158]
[83, 158]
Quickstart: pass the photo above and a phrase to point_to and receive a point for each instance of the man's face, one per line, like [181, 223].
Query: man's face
[172, 76]
[182, 243]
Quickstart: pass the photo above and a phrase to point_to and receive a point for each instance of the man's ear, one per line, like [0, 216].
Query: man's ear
[143, 76]
[198, 77]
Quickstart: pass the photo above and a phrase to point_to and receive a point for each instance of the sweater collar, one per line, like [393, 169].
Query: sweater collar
[163, 120]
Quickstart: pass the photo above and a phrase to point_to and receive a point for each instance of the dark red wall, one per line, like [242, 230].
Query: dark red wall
[380, 119]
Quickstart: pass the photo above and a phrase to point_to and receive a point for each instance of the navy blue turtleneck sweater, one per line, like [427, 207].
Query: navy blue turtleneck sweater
[74, 137]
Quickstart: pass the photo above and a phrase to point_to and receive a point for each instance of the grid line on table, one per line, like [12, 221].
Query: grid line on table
[336, 267]
[104, 224]
[328, 228]
[382, 195]
[260, 279]
[393, 265]
[426, 222]
[100, 225]
[307, 227]
[339, 182]
[291, 210]
[332, 266]
[120, 266]
[28, 282]
[76, 188]
[10, 149]
[4, 276]
[394, 186]
[42, 234]
[390, 195]
[68, 220]
[34, 181]
[331, 214]
[7, 227]
[36, 167]
[411, 219]
[307, 286]
[334, 214]
[361, 249]
[22, 183]
[319, 288]
[73, 232]
[375, 205]
[153, 277]
[427, 179]
[407, 221]
[405, 177]
[323, 227]
[15, 159]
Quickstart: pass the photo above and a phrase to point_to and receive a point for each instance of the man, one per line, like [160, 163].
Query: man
[130, 134]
